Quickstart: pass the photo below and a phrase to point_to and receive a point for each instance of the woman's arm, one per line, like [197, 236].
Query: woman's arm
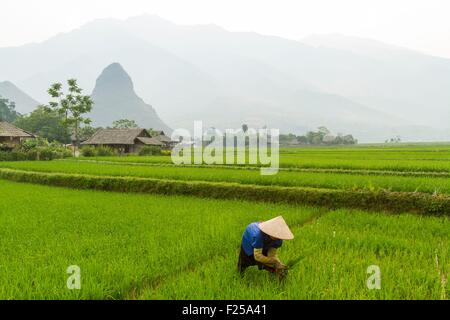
[273, 253]
[266, 260]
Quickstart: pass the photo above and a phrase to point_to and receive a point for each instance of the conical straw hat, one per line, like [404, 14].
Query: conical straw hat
[276, 228]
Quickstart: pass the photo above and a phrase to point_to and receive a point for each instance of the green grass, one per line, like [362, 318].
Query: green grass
[246, 176]
[428, 158]
[148, 246]
[122, 242]
[142, 246]
[412, 253]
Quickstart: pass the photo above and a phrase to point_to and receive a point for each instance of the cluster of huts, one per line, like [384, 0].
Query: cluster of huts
[123, 140]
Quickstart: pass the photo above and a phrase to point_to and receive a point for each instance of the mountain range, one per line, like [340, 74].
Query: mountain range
[204, 72]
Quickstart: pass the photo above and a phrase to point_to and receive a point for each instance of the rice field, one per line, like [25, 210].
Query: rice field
[131, 246]
[168, 246]
[416, 158]
[332, 180]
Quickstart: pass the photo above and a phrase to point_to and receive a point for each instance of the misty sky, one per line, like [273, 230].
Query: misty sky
[422, 25]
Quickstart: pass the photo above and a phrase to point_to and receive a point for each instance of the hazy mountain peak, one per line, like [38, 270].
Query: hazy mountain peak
[24, 103]
[114, 98]
[114, 77]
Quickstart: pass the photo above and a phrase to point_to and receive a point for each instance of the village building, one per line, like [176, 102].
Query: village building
[168, 143]
[12, 137]
[123, 140]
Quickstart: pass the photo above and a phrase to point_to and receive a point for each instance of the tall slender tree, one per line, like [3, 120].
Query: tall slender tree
[72, 106]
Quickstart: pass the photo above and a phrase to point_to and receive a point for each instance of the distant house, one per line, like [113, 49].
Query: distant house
[11, 136]
[168, 143]
[123, 140]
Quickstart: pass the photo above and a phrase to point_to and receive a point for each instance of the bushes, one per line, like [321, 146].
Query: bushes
[31, 144]
[105, 151]
[52, 153]
[150, 151]
[88, 151]
[370, 200]
[166, 152]
[101, 151]
[41, 153]
[14, 156]
[36, 149]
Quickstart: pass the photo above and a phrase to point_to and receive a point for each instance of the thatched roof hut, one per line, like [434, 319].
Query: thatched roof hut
[11, 136]
[10, 130]
[161, 136]
[126, 140]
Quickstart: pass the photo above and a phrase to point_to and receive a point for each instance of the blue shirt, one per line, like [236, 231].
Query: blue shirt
[254, 238]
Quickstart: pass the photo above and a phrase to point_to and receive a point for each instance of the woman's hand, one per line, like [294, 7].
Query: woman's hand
[280, 265]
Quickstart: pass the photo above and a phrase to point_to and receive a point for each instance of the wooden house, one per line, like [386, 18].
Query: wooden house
[11, 137]
[123, 140]
[168, 143]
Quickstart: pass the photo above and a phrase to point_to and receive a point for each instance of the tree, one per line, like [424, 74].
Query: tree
[86, 132]
[72, 106]
[323, 130]
[45, 123]
[302, 140]
[7, 110]
[314, 137]
[396, 139]
[321, 133]
[244, 128]
[348, 139]
[339, 139]
[154, 133]
[289, 138]
[124, 124]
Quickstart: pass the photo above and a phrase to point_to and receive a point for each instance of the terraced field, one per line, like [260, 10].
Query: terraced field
[333, 180]
[160, 231]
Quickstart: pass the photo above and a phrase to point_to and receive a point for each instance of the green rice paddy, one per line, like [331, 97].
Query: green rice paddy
[148, 246]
